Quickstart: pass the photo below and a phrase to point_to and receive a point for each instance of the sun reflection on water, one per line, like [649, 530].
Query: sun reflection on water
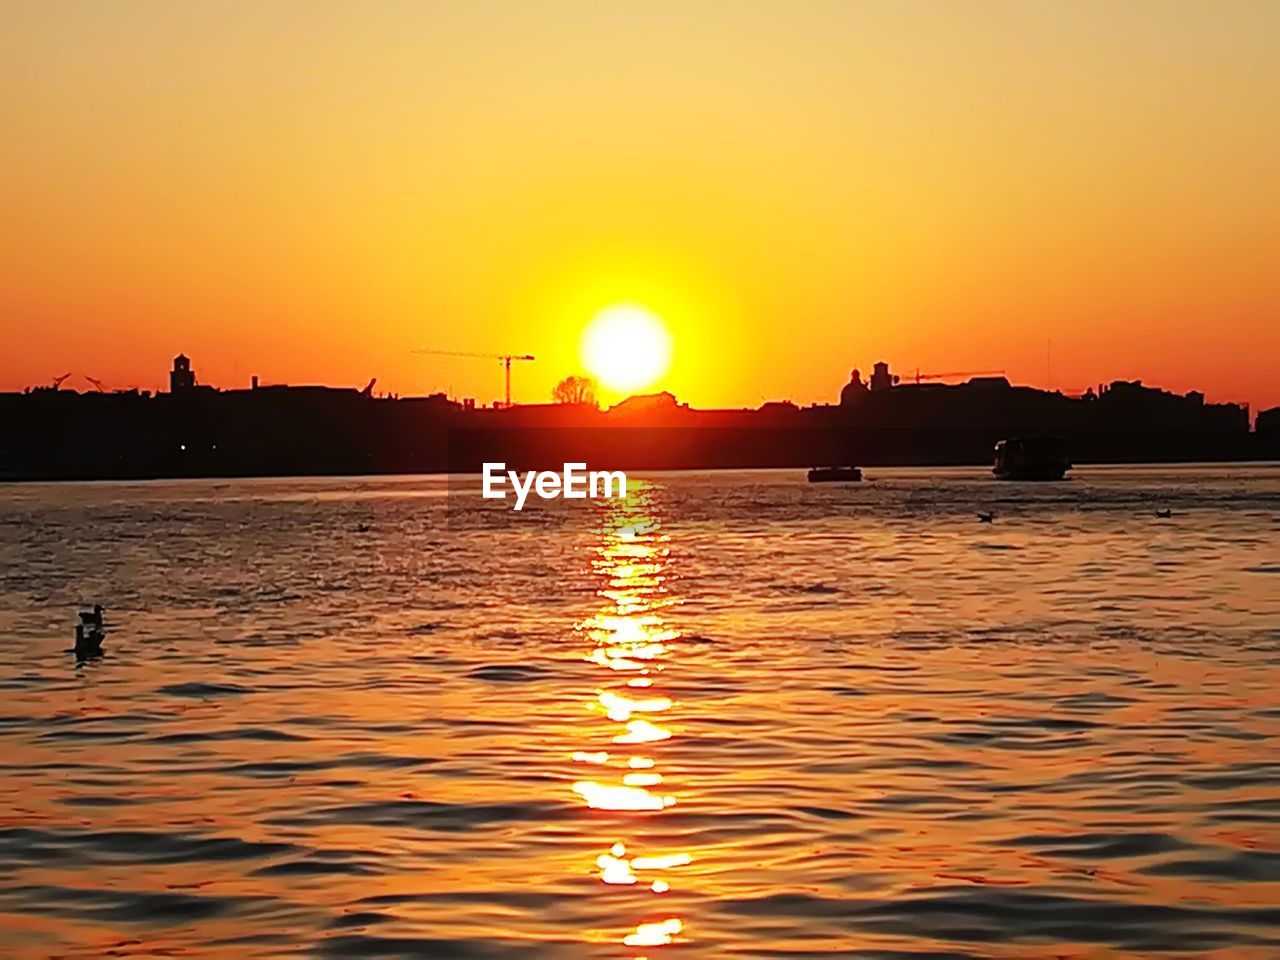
[654, 934]
[632, 642]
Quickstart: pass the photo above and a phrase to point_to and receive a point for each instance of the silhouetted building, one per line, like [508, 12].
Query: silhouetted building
[854, 390]
[1268, 425]
[990, 383]
[881, 378]
[181, 377]
[646, 403]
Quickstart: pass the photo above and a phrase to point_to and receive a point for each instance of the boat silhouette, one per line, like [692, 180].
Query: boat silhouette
[835, 475]
[1031, 458]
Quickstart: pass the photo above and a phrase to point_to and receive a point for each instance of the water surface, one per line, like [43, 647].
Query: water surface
[734, 716]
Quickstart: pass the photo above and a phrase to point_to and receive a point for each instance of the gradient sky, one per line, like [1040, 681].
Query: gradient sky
[308, 191]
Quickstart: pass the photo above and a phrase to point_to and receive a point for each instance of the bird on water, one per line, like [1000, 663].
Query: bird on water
[88, 642]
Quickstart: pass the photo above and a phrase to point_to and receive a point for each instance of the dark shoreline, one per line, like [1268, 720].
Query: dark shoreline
[798, 470]
[195, 431]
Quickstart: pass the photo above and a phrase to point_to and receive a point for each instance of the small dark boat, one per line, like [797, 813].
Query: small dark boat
[1031, 458]
[835, 475]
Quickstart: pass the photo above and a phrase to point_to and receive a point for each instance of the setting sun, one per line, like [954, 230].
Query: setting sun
[626, 348]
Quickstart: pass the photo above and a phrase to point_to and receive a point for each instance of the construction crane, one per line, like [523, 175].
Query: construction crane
[504, 358]
[957, 373]
[57, 381]
[97, 384]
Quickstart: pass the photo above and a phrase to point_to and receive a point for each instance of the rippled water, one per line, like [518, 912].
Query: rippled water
[735, 716]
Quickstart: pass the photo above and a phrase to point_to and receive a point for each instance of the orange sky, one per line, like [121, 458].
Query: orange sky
[308, 191]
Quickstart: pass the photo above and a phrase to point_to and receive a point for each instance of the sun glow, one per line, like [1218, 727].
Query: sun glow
[626, 348]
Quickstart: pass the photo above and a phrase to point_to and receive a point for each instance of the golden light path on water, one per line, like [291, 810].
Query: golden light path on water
[632, 644]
